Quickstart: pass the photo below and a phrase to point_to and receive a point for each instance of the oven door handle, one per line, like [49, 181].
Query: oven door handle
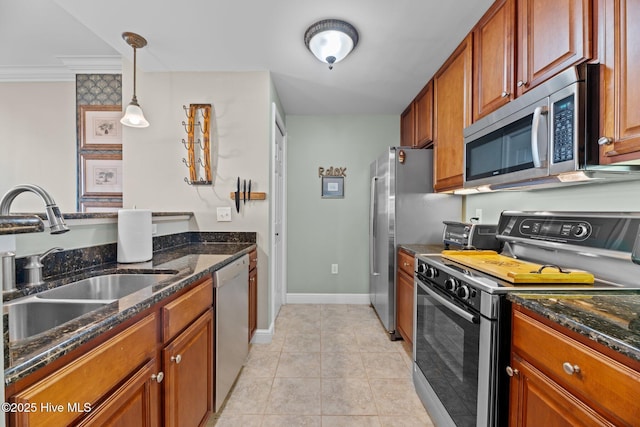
[471, 318]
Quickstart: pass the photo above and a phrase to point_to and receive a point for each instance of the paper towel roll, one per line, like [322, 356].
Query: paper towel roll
[135, 243]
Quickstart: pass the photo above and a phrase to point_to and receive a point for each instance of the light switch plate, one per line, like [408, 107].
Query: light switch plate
[224, 214]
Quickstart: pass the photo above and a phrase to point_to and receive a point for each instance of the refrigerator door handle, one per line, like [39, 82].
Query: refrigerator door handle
[372, 228]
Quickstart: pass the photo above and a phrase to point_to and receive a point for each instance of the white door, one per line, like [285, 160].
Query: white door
[278, 215]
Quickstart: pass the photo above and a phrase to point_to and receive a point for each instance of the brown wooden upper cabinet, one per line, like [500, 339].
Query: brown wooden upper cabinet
[417, 120]
[452, 113]
[408, 126]
[619, 30]
[519, 44]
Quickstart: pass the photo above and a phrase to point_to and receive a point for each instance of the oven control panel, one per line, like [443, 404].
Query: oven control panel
[612, 231]
[566, 230]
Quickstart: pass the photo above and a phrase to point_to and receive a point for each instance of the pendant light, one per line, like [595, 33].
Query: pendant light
[331, 40]
[133, 115]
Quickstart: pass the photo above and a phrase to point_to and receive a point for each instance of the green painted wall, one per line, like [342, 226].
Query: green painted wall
[320, 231]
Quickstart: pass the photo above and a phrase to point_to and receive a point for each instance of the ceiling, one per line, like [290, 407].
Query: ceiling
[402, 44]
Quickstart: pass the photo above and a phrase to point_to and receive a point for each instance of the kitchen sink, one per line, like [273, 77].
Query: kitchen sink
[107, 287]
[31, 317]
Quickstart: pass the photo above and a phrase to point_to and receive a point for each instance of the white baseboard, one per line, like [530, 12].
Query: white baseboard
[328, 299]
[263, 336]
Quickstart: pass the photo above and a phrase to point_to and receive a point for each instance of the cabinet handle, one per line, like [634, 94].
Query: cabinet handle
[158, 377]
[521, 83]
[512, 372]
[505, 94]
[570, 369]
[176, 359]
[406, 264]
[605, 140]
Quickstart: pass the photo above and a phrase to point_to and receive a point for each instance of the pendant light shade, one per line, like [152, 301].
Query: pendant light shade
[331, 40]
[133, 115]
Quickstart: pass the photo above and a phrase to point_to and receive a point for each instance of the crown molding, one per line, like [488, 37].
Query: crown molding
[88, 64]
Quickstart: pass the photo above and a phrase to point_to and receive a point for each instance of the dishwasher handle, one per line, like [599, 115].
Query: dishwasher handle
[230, 271]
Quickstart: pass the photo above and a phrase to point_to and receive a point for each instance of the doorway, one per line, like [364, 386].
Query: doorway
[278, 252]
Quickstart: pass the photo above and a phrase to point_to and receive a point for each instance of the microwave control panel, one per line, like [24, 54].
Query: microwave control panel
[563, 129]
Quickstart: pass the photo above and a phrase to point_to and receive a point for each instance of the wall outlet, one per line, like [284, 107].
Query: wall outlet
[479, 215]
[334, 268]
[154, 229]
[223, 214]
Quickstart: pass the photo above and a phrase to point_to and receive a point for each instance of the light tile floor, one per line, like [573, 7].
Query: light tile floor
[329, 366]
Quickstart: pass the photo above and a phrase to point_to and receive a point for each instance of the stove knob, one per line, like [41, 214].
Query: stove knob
[451, 284]
[463, 292]
[422, 268]
[431, 272]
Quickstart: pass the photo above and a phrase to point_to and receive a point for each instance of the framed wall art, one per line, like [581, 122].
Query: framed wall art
[100, 127]
[101, 175]
[332, 187]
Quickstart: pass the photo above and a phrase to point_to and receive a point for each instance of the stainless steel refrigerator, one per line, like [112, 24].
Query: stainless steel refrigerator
[403, 210]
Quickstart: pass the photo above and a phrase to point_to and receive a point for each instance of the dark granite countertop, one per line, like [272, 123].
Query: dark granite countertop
[18, 224]
[188, 263]
[611, 319]
[417, 249]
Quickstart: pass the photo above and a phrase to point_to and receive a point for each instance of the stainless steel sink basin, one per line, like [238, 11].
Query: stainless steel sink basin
[107, 287]
[34, 316]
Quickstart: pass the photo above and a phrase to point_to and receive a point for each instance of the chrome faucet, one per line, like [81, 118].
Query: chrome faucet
[56, 221]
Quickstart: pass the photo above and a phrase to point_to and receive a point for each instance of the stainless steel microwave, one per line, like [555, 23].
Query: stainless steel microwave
[546, 137]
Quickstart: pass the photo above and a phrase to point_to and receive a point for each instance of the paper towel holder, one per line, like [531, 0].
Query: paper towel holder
[198, 144]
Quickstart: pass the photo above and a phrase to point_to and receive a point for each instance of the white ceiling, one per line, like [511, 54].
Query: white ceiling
[402, 43]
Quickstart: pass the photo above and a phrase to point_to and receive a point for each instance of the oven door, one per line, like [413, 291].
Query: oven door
[448, 356]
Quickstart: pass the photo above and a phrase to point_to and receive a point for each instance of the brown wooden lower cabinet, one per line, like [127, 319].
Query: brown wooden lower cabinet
[135, 403]
[188, 366]
[542, 402]
[404, 296]
[561, 379]
[134, 378]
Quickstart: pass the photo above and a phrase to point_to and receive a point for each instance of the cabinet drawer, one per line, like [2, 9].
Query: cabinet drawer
[405, 262]
[88, 378]
[178, 314]
[606, 385]
[253, 259]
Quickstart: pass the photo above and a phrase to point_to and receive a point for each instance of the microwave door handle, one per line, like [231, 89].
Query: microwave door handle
[535, 125]
[372, 228]
[457, 310]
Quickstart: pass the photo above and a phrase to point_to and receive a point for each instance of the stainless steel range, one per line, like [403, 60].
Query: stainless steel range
[461, 321]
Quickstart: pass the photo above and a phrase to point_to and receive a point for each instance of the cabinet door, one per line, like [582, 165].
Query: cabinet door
[89, 378]
[408, 127]
[188, 367]
[535, 400]
[253, 302]
[135, 403]
[621, 106]
[452, 104]
[552, 36]
[404, 305]
[424, 116]
[493, 58]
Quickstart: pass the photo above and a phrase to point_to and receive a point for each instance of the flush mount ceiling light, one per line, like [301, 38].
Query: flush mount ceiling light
[331, 40]
[133, 115]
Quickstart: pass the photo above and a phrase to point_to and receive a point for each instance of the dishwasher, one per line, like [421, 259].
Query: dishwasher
[231, 299]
